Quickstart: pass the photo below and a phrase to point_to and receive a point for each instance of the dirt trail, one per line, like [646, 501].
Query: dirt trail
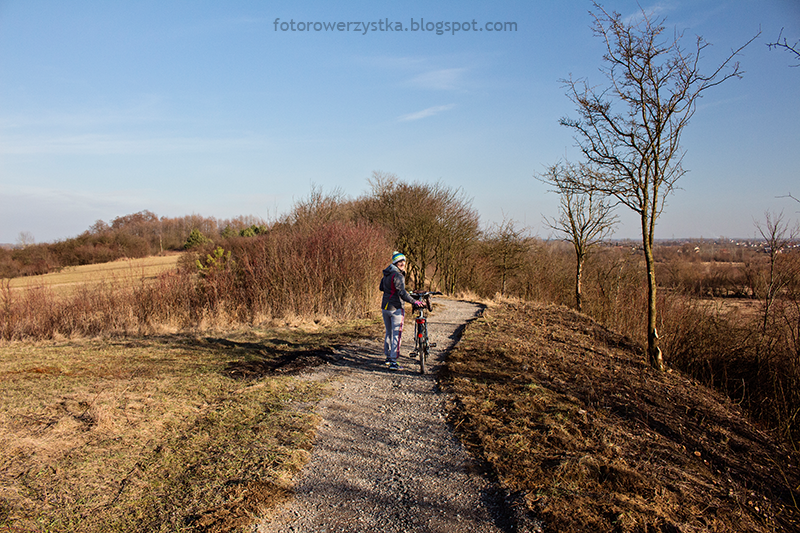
[384, 458]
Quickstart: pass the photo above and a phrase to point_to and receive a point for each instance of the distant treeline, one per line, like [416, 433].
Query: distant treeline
[136, 235]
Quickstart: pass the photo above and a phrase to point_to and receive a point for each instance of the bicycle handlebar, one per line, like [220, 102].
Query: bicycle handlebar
[419, 295]
[426, 296]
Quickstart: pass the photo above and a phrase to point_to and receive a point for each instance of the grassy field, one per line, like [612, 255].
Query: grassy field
[123, 271]
[173, 433]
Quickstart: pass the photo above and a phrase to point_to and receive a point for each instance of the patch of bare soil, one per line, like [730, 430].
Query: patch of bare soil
[567, 415]
[243, 502]
[277, 361]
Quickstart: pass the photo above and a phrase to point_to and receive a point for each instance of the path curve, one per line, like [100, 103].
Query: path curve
[384, 458]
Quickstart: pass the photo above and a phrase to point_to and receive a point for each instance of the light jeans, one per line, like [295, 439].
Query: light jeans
[393, 320]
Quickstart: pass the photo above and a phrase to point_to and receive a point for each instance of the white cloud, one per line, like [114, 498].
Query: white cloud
[442, 79]
[654, 12]
[429, 112]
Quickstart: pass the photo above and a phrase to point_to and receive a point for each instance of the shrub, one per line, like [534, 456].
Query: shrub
[253, 230]
[196, 239]
[326, 270]
[330, 269]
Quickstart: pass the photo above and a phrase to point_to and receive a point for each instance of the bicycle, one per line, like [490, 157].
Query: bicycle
[422, 344]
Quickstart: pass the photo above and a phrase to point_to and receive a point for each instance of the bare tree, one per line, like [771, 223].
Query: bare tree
[319, 208]
[777, 237]
[789, 196]
[505, 246]
[656, 82]
[585, 217]
[408, 212]
[459, 231]
[433, 225]
[25, 239]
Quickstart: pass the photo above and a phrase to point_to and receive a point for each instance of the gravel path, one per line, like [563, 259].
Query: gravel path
[384, 458]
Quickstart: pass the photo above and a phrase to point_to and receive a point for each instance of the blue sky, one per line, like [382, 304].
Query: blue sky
[109, 108]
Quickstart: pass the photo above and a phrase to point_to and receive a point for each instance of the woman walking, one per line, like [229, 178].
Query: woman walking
[393, 286]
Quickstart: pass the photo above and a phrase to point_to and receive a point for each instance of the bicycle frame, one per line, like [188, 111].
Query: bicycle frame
[422, 344]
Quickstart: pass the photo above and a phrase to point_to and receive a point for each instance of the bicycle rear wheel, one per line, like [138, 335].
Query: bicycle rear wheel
[423, 349]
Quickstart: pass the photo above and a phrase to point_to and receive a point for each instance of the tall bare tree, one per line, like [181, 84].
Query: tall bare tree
[585, 217]
[631, 129]
[459, 231]
[777, 236]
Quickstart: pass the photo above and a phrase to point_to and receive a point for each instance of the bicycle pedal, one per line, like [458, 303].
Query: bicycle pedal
[432, 345]
[412, 354]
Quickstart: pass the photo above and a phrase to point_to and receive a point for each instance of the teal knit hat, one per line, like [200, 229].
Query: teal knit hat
[397, 256]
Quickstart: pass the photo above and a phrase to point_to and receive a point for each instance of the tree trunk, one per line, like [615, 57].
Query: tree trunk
[503, 278]
[654, 356]
[578, 274]
[770, 292]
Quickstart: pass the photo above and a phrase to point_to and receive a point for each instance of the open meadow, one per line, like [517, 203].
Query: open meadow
[119, 272]
[162, 433]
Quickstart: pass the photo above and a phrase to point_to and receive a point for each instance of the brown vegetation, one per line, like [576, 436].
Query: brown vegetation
[320, 260]
[707, 329]
[317, 271]
[570, 418]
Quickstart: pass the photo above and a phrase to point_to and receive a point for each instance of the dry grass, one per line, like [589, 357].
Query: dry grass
[174, 433]
[568, 417]
[325, 270]
[120, 272]
[741, 310]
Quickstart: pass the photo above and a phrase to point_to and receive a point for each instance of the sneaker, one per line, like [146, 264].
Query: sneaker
[387, 362]
[394, 366]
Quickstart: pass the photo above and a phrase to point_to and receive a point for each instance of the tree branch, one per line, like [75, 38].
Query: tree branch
[793, 49]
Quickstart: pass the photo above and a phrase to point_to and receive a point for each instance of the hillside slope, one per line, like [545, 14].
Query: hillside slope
[569, 418]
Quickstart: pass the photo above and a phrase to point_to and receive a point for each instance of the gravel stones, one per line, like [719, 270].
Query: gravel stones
[384, 458]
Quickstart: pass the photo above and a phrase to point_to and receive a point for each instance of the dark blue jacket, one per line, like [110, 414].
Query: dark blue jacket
[393, 286]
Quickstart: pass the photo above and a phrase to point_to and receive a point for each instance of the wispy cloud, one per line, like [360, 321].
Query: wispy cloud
[442, 79]
[425, 113]
[389, 62]
[711, 103]
[656, 10]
